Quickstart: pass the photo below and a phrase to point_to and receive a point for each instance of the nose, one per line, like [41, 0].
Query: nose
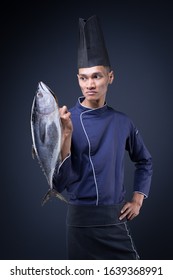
[90, 83]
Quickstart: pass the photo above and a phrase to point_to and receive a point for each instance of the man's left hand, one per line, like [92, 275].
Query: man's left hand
[131, 209]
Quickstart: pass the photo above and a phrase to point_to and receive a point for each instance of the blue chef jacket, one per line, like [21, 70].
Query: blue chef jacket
[94, 171]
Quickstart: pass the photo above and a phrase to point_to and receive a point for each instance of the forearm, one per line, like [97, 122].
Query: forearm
[66, 146]
[67, 130]
[143, 176]
[62, 173]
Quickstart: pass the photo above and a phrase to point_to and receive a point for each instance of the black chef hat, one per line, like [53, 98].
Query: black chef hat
[91, 49]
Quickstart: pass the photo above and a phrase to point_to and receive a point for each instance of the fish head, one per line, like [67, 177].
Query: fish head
[45, 99]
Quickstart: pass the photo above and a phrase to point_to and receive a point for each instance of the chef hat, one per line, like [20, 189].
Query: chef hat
[91, 48]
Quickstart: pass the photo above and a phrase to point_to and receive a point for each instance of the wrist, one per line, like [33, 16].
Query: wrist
[138, 198]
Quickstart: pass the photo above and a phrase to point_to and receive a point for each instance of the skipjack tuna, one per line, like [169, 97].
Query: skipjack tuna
[46, 135]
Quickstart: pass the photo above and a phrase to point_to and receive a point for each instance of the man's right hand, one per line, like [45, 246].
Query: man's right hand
[67, 127]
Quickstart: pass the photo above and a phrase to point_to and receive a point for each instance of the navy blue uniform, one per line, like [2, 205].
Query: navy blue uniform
[93, 174]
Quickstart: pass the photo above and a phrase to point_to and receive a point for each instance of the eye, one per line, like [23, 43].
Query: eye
[97, 76]
[82, 78]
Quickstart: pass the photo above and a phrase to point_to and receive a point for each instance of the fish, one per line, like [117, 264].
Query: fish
[46, 133]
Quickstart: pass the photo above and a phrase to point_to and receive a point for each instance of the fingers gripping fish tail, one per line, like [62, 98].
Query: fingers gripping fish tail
[51, 193]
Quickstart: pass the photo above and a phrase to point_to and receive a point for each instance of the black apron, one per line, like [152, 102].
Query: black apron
[95, 232]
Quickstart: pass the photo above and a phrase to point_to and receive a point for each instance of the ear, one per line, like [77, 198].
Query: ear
[111, 77]
[78, 77]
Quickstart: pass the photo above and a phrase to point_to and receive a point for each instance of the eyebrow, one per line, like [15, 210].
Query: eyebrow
[93, 74]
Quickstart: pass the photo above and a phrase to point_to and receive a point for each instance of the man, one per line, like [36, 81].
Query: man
[95, 138]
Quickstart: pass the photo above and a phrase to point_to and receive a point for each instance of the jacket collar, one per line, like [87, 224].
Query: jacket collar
[89, 110]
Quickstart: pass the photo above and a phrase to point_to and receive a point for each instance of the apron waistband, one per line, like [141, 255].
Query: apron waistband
[92, 215]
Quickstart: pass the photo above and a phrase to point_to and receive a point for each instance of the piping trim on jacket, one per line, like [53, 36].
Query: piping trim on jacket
[94, 174]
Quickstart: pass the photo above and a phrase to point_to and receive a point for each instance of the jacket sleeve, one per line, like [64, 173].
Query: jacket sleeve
[61, 176]
[143, 161]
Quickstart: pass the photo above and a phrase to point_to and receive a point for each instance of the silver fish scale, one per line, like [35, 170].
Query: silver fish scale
[46, 135]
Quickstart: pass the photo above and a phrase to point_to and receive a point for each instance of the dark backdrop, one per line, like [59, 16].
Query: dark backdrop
[39, 42]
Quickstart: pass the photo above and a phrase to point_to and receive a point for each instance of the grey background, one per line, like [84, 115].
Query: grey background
[39, 42]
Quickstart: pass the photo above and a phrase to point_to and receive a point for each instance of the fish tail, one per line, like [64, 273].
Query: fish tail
[51, 193]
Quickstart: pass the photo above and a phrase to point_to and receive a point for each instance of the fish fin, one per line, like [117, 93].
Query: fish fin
[46, 197]
[33, 152]
[58, 195]
[50, 193]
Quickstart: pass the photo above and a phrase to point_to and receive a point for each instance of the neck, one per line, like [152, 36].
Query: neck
[93, 104]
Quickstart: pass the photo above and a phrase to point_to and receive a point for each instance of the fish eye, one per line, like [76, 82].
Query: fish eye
[39, 94]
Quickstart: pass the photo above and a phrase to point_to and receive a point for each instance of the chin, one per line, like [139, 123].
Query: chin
[91, 97]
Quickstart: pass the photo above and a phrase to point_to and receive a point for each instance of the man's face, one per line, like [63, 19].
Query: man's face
[94, 82]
